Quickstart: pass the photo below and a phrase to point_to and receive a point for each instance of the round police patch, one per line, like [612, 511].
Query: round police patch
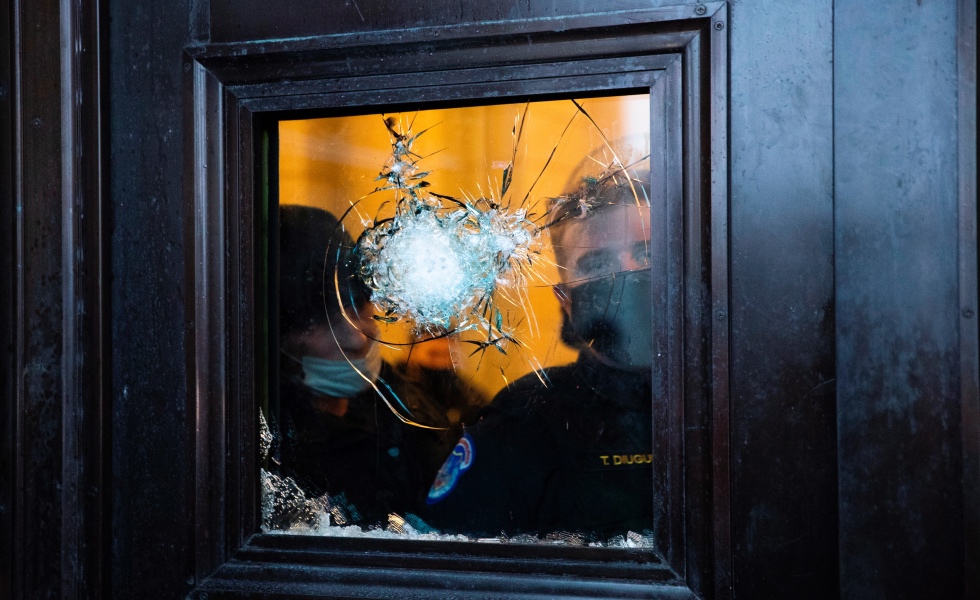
[458, 462]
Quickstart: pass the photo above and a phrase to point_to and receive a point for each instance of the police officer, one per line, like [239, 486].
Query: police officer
[337, 435]
[575, 456]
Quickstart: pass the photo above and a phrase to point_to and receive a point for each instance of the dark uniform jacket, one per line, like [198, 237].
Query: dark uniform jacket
[379, 463]
[573, 457]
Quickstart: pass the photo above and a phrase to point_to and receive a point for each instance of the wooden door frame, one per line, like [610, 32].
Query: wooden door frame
[235, 91]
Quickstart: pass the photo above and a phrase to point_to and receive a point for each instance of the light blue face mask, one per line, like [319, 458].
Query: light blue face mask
[336, 378]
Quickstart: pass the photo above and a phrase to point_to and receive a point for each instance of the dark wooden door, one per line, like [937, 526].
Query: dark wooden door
[826, 358]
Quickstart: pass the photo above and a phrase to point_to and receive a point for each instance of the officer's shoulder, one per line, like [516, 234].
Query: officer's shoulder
[530, 391]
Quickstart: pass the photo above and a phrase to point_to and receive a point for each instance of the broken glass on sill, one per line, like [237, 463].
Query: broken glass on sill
[465, 342]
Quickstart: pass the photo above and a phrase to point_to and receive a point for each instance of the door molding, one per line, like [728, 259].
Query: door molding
[54, 301]
[237, 91]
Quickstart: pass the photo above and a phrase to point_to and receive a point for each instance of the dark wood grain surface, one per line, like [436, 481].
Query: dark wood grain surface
[826, 352]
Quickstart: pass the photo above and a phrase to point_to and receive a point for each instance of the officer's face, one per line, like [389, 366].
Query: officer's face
[340, 338]
[606, 292]
[612, 239]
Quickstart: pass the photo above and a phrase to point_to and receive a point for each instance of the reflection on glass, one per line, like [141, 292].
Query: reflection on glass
[430, 262]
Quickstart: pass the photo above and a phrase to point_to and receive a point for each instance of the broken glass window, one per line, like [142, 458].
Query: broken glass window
[465, 337]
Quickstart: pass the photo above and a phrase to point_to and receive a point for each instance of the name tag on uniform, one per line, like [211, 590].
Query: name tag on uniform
[618, 461]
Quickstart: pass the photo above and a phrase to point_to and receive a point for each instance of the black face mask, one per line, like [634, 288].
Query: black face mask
[612, 316]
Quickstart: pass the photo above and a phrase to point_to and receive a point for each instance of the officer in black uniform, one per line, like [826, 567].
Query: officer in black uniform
[337, 435]
[575, 456]
[380, 464]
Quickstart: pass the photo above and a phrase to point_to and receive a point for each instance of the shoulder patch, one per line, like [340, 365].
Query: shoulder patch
[456, 464]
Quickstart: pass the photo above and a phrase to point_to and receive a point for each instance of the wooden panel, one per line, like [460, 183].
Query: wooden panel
[969, 339]
[52, 301]
[8, 303]
[784, 438]
[37, 284]
[152, 440]
[84, 327]
[888, 89]
[248, 20]
[898, 299]
[155, 549]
